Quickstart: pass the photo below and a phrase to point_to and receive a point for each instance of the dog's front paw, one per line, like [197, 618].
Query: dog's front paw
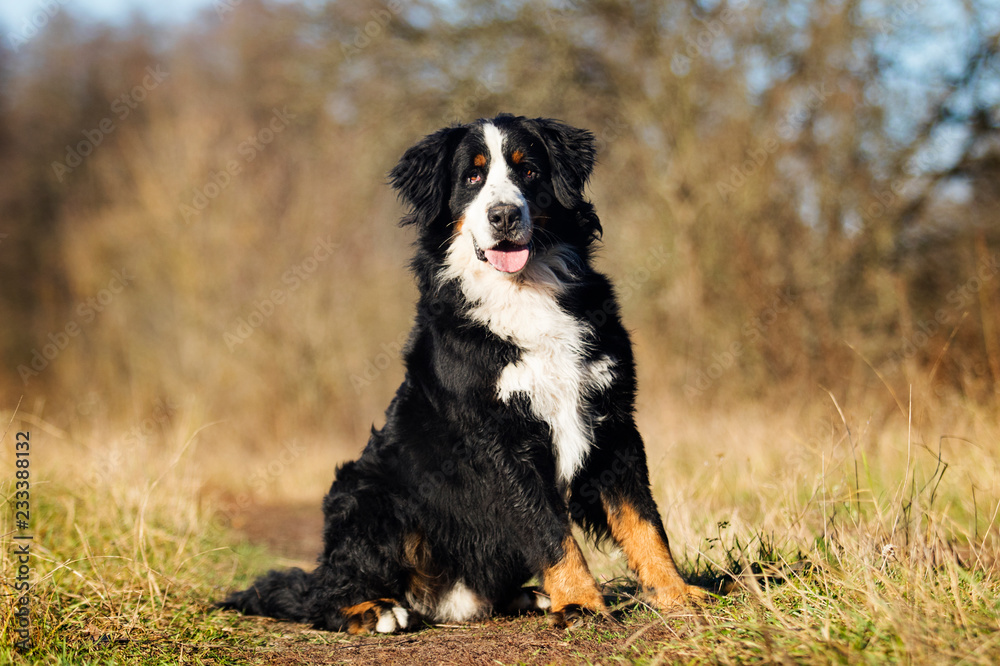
[675, 598]
[382, 616]
[577, 616]
[573, 616]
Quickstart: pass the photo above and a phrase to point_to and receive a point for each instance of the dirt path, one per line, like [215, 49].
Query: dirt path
[526, 640]
[294, 533]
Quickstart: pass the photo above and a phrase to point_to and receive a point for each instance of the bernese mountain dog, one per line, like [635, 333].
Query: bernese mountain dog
[514, 421]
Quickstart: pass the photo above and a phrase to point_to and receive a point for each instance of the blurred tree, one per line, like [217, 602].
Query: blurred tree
[822, 176]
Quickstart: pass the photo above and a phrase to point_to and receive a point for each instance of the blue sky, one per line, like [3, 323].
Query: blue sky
[13, 13]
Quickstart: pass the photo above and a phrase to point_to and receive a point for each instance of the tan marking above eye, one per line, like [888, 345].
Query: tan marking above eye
[517, 156]
[479, 160]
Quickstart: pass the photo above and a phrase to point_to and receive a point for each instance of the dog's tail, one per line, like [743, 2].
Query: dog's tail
[284, 595]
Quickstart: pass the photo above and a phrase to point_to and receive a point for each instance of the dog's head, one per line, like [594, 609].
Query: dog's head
[500, 191]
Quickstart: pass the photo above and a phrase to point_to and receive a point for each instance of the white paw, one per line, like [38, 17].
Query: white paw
[391, 622]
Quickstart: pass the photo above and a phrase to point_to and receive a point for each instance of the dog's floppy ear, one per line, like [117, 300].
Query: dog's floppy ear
[571, 157]
[422, 176]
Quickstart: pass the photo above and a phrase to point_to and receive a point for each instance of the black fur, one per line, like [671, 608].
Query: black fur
[458, 485]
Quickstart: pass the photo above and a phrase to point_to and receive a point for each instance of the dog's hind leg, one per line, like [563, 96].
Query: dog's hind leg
[309, 597]
[383, 616]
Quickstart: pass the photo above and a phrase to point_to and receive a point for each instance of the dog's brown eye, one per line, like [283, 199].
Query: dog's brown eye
[529, 174]
[474, 177]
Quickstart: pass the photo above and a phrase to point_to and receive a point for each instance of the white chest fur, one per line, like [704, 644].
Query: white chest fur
[552, 371]
[556, 379]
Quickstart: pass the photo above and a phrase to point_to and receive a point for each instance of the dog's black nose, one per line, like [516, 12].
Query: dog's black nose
[504, 218]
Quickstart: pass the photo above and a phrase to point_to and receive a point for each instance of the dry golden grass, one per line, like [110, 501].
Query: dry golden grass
[877, 544]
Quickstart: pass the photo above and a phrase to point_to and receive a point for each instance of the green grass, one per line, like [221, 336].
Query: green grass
[127, 588]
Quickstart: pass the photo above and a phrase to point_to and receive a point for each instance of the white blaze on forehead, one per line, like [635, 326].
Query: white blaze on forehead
[494, 144]
[499, 174]
[499, 188]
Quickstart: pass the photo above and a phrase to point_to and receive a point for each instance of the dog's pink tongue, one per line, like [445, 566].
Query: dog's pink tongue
[508, 260]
